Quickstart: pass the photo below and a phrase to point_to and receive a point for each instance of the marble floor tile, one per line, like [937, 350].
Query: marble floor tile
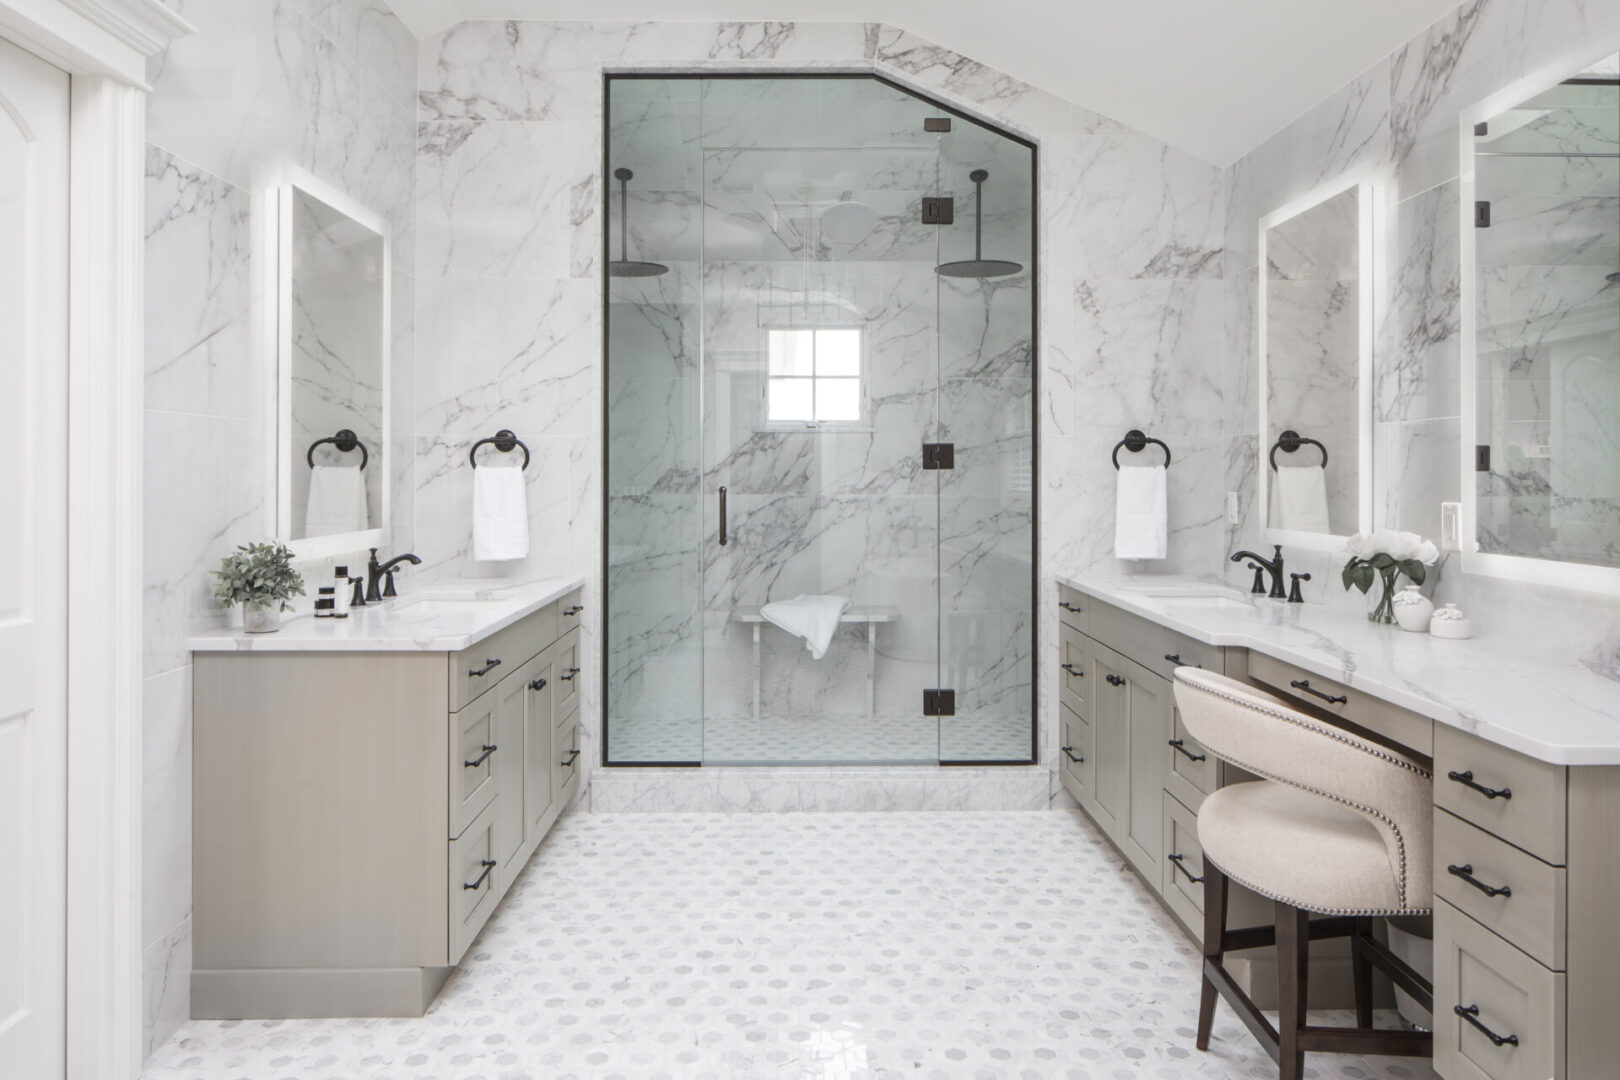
[927, 945]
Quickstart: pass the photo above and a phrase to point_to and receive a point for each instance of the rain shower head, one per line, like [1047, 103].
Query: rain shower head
[978, 266]
[1614, 278]
[624, 266]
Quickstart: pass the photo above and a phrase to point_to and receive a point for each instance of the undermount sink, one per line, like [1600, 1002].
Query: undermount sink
[1187, 590]
[1217, 601]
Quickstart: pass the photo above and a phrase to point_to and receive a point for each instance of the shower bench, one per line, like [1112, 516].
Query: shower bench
[869, 615]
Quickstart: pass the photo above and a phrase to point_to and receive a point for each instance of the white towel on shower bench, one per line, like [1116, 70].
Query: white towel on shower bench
[814, 618]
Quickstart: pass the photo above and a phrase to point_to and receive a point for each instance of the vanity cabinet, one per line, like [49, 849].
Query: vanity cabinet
[360, 815]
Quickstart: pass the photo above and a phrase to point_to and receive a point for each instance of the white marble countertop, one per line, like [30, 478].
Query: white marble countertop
[1549, 707]
[444, 616]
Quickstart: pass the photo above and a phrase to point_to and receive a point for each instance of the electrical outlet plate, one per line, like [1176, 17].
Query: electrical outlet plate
[1451, 526]
[1232, 512]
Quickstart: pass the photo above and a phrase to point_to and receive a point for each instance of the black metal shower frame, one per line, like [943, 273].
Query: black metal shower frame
[608, 79]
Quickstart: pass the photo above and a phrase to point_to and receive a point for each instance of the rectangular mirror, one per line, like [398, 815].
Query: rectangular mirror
[1541, 270]
[1314, 316]
[332, 347]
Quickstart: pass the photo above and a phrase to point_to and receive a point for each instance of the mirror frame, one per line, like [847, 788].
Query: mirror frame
[1586, 577]
[1370, 263]
[277, 240]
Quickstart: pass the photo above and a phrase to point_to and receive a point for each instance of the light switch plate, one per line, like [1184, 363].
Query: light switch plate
[1451, 526]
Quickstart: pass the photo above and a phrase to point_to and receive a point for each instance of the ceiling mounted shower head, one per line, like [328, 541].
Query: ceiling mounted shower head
[1614, 278]
[624, 266]
[978, 266]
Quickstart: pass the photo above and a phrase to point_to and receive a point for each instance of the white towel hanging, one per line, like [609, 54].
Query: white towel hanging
[1299, 498]
[814, 618]
[500, 513]
[1142, 512]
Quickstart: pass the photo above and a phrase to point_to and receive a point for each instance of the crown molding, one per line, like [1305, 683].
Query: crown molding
[110, 38]
[144, 25]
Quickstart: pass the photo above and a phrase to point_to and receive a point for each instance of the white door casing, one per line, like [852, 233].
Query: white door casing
[34, 138]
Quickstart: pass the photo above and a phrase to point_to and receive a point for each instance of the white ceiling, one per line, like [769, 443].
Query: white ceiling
[1212, 77]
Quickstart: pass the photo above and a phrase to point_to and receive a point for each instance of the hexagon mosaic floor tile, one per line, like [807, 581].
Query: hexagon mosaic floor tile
[933, 946]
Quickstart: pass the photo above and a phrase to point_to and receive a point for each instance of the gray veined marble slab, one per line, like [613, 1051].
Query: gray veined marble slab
[444, 616]
[1554, 708]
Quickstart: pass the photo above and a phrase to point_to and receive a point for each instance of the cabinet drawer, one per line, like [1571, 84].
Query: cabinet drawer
[1074, 608]
[473, 768]
[1523, 799]
[569, 609]
[1181, 882]
[1074, 666]
[1132, 636]
[1179, 650]
[1530, 914]
[475, 885]
[1075, 764]
[1513, 995]
[566, 665]
[565, 762]
[1400, 726]
[474, 671]
[1194, 771]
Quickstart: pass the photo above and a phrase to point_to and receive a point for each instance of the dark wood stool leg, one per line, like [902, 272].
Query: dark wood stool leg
[1293, 961]
[1362, 971]
[1214, 932]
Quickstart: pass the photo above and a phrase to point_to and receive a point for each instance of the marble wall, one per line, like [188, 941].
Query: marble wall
[327, 85]
[1400, 118]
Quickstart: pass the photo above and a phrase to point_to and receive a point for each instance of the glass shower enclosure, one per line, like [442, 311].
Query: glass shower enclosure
[820, 382]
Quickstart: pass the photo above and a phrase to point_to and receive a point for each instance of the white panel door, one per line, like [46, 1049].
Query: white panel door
[33, 536]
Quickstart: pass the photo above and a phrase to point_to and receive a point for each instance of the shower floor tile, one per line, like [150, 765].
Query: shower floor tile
[733, 947]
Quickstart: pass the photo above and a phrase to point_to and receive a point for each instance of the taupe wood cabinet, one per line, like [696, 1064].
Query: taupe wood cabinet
[358, 816]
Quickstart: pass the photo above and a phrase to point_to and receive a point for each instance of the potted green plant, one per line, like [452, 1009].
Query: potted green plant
[261, 578]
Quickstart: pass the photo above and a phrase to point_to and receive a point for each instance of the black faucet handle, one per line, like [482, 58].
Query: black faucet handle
[1259, 585]
[388, 585]
[1293, 588]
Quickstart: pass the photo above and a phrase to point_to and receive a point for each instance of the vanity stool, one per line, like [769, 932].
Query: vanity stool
[1339, 827]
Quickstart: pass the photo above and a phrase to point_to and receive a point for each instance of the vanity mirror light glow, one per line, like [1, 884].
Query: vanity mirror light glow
[328, 326]
[1318, 259]
[1540, 325]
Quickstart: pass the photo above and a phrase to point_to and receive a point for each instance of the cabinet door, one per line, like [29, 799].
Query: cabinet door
[511, 698]
[1110, 732]
[540, 687]
[1148, 702]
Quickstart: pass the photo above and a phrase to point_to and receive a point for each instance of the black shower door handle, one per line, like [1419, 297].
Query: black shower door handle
[722, 515]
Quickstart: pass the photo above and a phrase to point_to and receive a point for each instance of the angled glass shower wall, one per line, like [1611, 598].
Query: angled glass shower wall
[786, 334]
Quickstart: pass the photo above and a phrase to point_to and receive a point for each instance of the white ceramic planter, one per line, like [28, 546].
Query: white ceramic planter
[261, 618]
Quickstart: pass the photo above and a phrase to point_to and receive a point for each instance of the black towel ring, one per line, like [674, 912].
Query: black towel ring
[345, 441]
[504, 441]
[1136, 441]
[1291, 440]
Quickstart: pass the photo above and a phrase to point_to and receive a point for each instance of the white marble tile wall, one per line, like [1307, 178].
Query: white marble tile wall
[1401, 117]
[1131, 266]
[328, 85]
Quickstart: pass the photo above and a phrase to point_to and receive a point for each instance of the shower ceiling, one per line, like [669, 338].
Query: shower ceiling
[1212, 77]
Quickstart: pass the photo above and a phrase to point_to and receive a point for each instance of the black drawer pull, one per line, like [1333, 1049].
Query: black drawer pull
[575, 610]
[481, 758]
[1175, 861]
[538, 684]
[1072, 670]
[569, 763]
[488, 865]
[1066, 606]
[1470, 1013]
[1070, 751]
[1175, 658]
[1466, 872]
[1466, 779]
[1114, 680]
[489, 666]
[1181, 748]
[569, 677]
[1305, 685]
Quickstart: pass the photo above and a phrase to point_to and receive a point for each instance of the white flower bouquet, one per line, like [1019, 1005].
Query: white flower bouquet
[1387, 554]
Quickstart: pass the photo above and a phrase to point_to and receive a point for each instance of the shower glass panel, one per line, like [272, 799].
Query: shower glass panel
[769, 400]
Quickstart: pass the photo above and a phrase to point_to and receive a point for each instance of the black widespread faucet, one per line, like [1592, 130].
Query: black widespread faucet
[1272, 566]
[376, 570]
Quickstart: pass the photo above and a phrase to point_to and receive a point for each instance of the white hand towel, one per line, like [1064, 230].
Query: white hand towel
[1142, 513]
[337, 501]
[1300, 498]
[814, 618]
[500, 513]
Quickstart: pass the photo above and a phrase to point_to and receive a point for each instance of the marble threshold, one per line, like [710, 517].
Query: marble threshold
[1554, 708]
[839, 788]
[444, 616]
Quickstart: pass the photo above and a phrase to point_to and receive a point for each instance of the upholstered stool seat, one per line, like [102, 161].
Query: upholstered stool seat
[1296, 847]
[1337, 826]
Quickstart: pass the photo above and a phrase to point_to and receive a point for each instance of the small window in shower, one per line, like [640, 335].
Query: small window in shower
[814, 375]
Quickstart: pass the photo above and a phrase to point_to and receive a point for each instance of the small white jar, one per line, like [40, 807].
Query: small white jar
[1412, 609]
[1450, 622]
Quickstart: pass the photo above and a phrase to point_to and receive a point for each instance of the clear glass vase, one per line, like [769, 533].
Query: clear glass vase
[1382, 609]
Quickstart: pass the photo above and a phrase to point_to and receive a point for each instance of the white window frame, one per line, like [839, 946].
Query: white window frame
[862, 423]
